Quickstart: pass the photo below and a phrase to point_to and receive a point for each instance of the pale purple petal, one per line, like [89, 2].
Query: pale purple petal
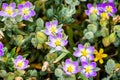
[4, 5]
[14, 14]
[90, 49]
[32, 13]
[110, 1]
[89, 6]
[26, 63]
[77, 53]
[59, 35]
[52, 38]
[55, 22]
[47, 32]
[13, 5]
[47, 25]
[26, 17]
[80, 46]
[51, 44]
[20, 7]
[27, 4]
[59, 30]
[84, 64]
[67, 61]
[2, 13]
[19, 57]
[1, 45]
[93, 73]
[114, 10]
[83, 59]
[58, 48]
[64, 43]
[91, 57]
[87, 75]
[87, 12]
[1, 52]
[93, 65]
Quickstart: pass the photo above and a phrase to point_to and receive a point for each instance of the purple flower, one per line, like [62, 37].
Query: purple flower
[88, 69]
[26, 10]
[20, 63]
[70, 67]
[92, 10]
[1, 49]
[108, 8]
[57, 42]
[8, 10]
[84, 53]
[52, 28]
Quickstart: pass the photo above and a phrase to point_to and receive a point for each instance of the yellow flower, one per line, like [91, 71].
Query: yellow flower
[99, 55]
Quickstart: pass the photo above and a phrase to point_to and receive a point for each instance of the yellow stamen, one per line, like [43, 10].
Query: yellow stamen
[53, 29]
[84, 53]
[88, 69]
[108, 8]
[25, 11]
[95, 11]
[20, 64]
[104, 15]
[70, 68]
[57, 42]
[9, 10]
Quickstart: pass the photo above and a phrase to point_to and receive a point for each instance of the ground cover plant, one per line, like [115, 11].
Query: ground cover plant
[59, 40]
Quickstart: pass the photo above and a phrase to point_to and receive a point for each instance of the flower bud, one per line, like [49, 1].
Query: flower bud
[93, 17]
[45, 66]
[104, 31]
[92, 27]
[58, 72]
[1, 35]
[89, 35]
[106, 41]
[112, 37]
[18, 78]
[41, 37]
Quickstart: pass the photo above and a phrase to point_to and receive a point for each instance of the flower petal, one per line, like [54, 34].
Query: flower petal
[77, 53]
[104, 55]
[89, 6]
[101, 61]
[84, 64]
[4, 5]
[101, 50]
[93, 73]
[93, 65]
[13, 5]
[96, 59]
[32, 13]
[27, 4]
[90, 49]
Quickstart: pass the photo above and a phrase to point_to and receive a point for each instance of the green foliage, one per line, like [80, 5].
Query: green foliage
[27, 38]
[110, 66]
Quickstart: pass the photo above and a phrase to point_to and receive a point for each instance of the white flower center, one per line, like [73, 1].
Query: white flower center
[25, 11]
[9, 10]
[58, 42]
[20, 64]
[70, 68]
[88, 69]
[53, 29]
[108, 8]
[93, 10]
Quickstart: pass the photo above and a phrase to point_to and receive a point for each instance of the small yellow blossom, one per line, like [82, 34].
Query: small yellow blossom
[99, 55]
